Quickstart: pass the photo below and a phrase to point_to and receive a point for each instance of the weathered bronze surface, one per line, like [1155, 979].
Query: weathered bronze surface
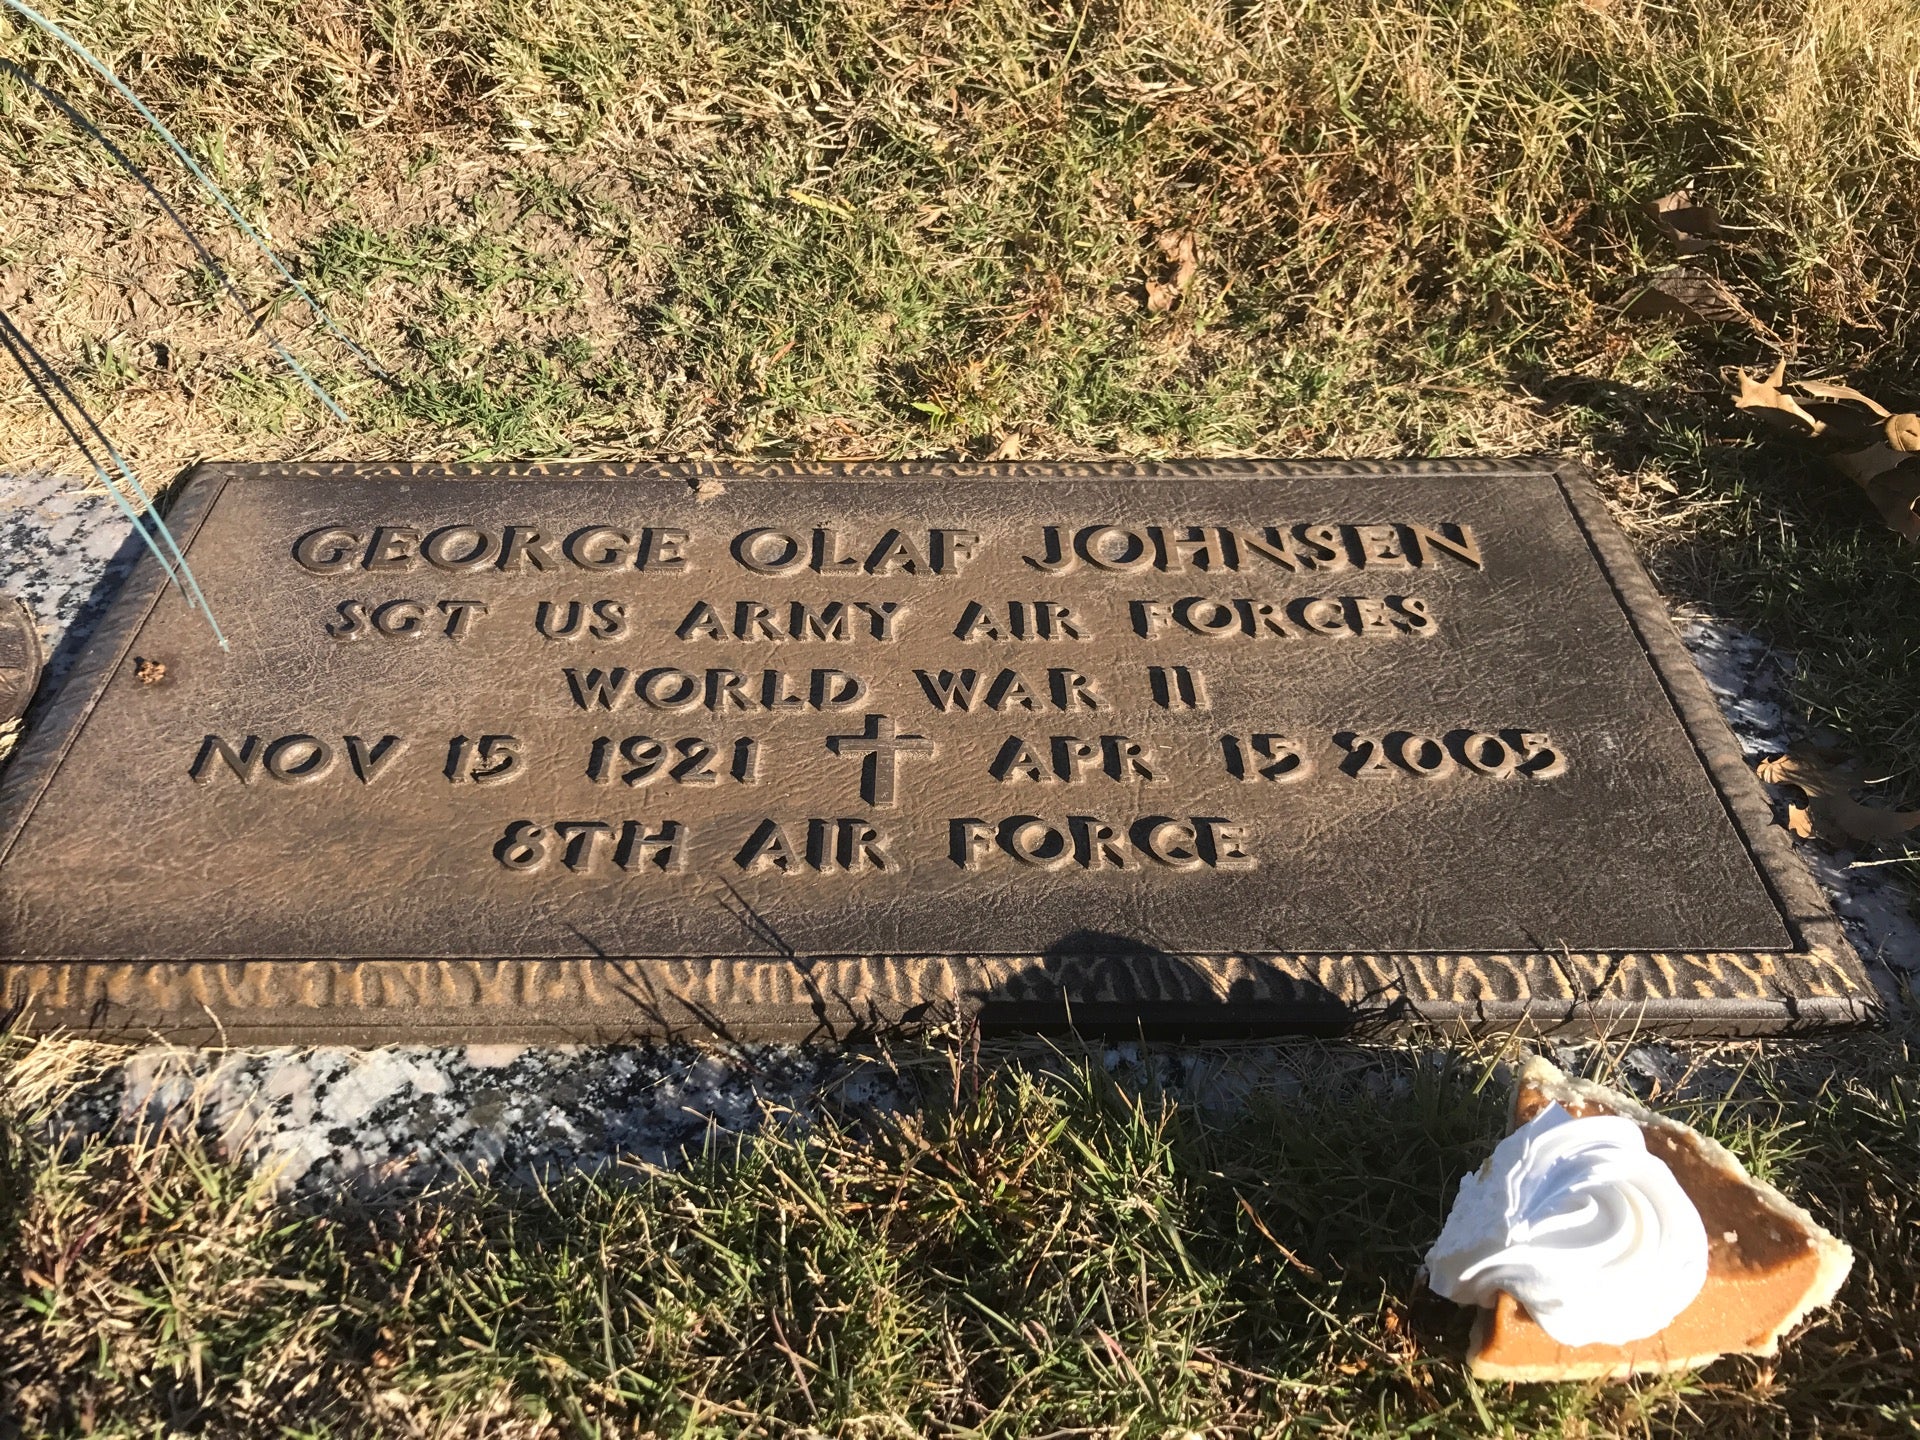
[20, 658]
[593, 751]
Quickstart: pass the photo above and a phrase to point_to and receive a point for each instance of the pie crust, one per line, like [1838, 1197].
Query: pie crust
[1769, 1265]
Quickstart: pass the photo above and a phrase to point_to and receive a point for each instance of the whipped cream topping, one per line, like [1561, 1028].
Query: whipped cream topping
[1579, 1223]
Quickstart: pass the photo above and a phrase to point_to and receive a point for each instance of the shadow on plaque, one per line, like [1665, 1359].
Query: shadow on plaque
[1094, 982]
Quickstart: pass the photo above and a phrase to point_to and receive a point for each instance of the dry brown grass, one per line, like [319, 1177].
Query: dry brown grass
[848, 229]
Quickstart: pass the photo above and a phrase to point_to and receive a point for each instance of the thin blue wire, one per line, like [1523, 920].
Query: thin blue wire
[189, 586]
[213, 189]
[132, 480]
[60, 102]
[183, 576]
[80, 444]
[27, 358]
[197, 596]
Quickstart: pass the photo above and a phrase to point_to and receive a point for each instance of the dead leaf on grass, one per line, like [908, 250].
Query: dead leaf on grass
[1872, 446]
[1769, 402]
[1848, 419]
[1891, 479]
[1177, 249]
[1692, 228]
[1829, 391]
[1831, 813]
[1693, 297]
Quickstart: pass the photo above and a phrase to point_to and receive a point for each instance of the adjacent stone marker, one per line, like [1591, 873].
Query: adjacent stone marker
[591, 752]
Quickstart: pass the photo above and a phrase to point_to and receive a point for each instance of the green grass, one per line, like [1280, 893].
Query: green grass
[1034, 1248]
[774, 227]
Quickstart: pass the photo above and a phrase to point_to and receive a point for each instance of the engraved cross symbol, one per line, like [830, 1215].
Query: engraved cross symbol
[883, 747]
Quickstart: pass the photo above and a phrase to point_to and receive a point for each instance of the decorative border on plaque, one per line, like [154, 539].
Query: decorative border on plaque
[846, 998]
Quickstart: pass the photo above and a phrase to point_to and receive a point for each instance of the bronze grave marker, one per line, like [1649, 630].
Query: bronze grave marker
[593, 751]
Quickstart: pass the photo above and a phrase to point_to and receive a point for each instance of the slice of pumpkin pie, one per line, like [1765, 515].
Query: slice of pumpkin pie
[1602, 1240]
